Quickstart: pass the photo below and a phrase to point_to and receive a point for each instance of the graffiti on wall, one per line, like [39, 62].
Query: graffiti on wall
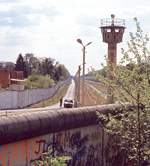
[74, 145]
[82, 145]
[113, 153]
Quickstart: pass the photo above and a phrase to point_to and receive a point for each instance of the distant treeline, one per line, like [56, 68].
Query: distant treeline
[30, 64]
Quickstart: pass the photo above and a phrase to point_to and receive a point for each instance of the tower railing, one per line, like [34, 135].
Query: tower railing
[112, 22]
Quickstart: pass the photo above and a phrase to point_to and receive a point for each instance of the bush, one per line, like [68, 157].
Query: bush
[130, 82]
[51, 161]
[38, 81]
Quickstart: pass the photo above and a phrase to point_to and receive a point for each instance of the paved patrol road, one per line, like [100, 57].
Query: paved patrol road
[70, 94]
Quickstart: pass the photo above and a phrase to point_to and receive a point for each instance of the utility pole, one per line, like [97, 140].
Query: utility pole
[77, 81]
[83, 76]
[79, 70]
[83, 70]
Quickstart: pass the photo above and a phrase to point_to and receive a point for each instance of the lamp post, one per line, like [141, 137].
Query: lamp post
[79, 70]
[83, 71]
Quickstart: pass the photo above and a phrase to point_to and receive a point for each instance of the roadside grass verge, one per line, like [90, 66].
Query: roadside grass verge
[92, 97]
[54, 99]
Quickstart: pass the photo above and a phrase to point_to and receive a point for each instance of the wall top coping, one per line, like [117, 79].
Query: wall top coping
[25, 126]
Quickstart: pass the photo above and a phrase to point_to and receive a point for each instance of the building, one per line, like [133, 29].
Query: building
[8, 78]
[4, 78]
[17, 75]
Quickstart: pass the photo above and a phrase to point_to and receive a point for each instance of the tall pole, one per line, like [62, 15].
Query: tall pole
[83, 77]
[83, 74]
[79, 70]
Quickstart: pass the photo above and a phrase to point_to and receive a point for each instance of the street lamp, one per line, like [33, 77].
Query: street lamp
[83, 74]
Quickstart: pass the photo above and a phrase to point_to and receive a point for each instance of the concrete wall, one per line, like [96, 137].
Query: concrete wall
[20, 99]
[84, 145]
[72, 132]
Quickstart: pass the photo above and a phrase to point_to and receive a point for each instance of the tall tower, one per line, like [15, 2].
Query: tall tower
[112, 32]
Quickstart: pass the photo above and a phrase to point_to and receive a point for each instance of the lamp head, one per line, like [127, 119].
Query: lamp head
[88, 43]
[79, 41]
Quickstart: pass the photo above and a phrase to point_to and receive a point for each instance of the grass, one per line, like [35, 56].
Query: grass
[91, 97]
[53, 100]
[98, 99]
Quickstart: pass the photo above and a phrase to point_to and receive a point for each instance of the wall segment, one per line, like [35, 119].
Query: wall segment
[25, 126]
[20, 99]
[73, 132]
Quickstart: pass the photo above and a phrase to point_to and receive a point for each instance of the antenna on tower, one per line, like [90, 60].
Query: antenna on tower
[112, 18]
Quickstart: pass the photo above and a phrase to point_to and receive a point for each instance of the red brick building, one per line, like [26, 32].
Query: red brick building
[17, 75]
[4, 78]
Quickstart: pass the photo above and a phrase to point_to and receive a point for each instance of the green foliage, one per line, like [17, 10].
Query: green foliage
[132, 77]
[20, 64]
[61, 73]
[47, 66]
[38, 81]
[123, 125]
[51, 161]
[32, 64]
[131, 83]
[42, 66]
[94, 74]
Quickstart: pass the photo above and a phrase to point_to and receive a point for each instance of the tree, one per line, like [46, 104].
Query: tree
[47, 66]
[20, 64]
[61, 73]
[42, 66]
[131, 83]
[32, 64]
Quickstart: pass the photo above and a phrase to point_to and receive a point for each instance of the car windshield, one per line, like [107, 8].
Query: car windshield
[68, 100]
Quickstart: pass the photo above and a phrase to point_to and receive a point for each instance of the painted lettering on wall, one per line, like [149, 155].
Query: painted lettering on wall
[82, 145]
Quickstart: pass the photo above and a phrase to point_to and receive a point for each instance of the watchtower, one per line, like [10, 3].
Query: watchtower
[112, 33]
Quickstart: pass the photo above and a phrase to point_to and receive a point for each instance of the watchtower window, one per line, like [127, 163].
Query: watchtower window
[108, 30]
[117, 30]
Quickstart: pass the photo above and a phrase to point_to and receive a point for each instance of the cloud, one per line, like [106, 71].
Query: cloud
[50, 28]
[9, 1]
[22, 16]
[87, 20]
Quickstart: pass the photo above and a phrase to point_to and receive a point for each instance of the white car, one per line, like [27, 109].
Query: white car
[68, 103]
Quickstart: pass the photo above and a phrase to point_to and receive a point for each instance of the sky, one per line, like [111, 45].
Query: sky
[49, 28]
